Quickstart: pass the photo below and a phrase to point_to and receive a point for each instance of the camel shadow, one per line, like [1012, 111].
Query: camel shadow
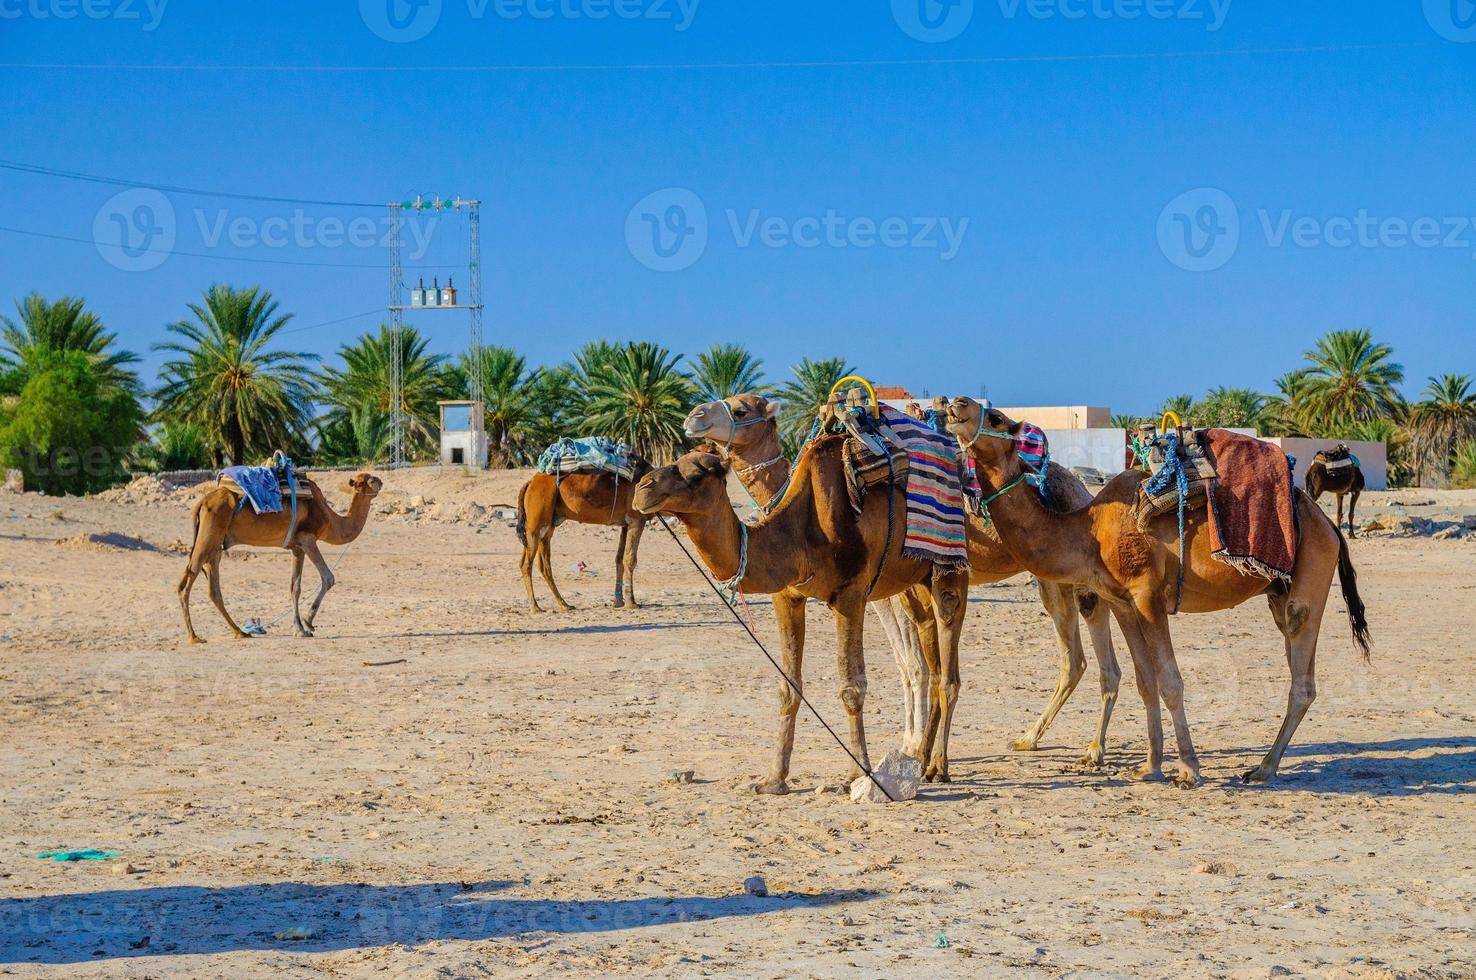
[552, 630]
[1353, 767]
[185, 920]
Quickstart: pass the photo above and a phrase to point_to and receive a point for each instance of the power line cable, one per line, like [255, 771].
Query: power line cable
[36, 169]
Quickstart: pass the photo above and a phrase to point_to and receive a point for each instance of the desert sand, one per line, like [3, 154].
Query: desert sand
[502, 801]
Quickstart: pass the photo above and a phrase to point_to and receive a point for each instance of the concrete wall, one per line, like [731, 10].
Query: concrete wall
[1051, 417]
[473, 445]
[1099, 448]
[1373, 457]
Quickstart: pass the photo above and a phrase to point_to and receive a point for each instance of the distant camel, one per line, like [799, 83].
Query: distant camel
[221, 521]
[1339, 480]
[546, 501]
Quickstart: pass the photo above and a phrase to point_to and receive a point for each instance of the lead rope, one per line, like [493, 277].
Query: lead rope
[765, 651]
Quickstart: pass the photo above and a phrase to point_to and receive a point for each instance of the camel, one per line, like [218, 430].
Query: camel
[1338, 481]
[812, 546]
[222, 519]
[546, 501]
[1100, 547]
[744, 426]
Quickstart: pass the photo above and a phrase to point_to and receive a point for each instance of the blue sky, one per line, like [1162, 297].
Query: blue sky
[1040, 196]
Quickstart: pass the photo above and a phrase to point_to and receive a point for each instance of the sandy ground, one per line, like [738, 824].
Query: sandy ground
[502, 802]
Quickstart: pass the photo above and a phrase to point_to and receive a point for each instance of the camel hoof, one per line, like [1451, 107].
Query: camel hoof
[771, 787]
[1260, 774]
[619, 603]
[566, 608]
[241, 636]
[632, 604]
[196, 639]
[1025, 744]
[1143, 772]
[1185, 777]
[937, 773]
[1092, 760]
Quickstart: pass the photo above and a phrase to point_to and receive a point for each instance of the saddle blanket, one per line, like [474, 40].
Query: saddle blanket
[935, 514]
[258, 484]
[591, 454]
[1337, 464]
[1253, 505]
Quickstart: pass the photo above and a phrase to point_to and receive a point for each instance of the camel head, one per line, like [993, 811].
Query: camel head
[363, 484]
[694, 484]
[971, 423]
[736, 422]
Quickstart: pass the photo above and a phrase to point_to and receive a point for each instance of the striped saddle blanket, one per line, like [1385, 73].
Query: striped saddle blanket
[927, 462]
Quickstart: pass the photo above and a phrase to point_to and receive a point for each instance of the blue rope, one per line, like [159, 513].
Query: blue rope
[731, 588]
[1173, 469]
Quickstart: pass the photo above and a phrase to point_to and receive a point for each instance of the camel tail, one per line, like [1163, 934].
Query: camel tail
[522, 525]
[1348, 581]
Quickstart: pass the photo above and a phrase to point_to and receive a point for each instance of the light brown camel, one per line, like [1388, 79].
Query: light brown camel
[222, 519]
[812, 546]
[744, 426]
[1099, 546]
[546, 501]
[1338, 481]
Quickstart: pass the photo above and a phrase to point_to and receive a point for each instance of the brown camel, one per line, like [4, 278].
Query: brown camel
[812, 546]
[222, 519]
[1338, 481]
[1100, 547]
[546, 501]
[744, 426]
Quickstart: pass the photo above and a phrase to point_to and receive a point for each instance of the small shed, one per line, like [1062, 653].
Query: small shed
[463, 434]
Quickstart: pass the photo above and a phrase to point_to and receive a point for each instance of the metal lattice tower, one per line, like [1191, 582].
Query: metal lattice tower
[397, 309]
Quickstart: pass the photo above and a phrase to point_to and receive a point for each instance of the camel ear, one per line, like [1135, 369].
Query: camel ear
[710, 465]
[771, 409]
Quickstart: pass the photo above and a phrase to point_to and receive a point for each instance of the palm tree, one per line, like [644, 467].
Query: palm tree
[247, 400]
[1123, 421]
[1180, 405]
[1284, 410]
[62, 325]
[1442, 425]
[725, 370]
[523, 409]
[1463, 473]
[640, 398]
[361, 393]
[801, 398]
[1232, 408]
[1350, 378]
[1395, 438]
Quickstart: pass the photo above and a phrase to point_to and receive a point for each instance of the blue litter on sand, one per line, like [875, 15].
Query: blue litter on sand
[88, 854]
[941, 942]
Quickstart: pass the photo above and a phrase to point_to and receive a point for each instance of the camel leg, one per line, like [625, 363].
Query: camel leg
[212, 572]
[1352, 503]
[545, 565]
[186, 583]
[632, 548]
[1299, 617]
[1171, 692]
[850, 621]
[789, 612]
[1099, 626]
[525, 565]
[212, 524]
[950, 603]
[309, 545]
[1146, 679]
[1060, 603]
[297, 592]
[919, 620]
[620, 567]
[906, 644]
[1339, 524]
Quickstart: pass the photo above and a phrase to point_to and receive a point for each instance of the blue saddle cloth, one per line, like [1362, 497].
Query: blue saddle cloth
[595, 453]
[259, 484]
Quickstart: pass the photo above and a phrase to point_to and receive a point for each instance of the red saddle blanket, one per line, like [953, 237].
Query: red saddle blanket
[1253, 520]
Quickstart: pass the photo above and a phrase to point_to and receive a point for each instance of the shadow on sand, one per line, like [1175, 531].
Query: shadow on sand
[189, 920]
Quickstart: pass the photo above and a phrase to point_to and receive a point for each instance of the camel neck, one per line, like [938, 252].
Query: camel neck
[1038, 538]
[761, 466]
[773, 561]
[344, 528]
